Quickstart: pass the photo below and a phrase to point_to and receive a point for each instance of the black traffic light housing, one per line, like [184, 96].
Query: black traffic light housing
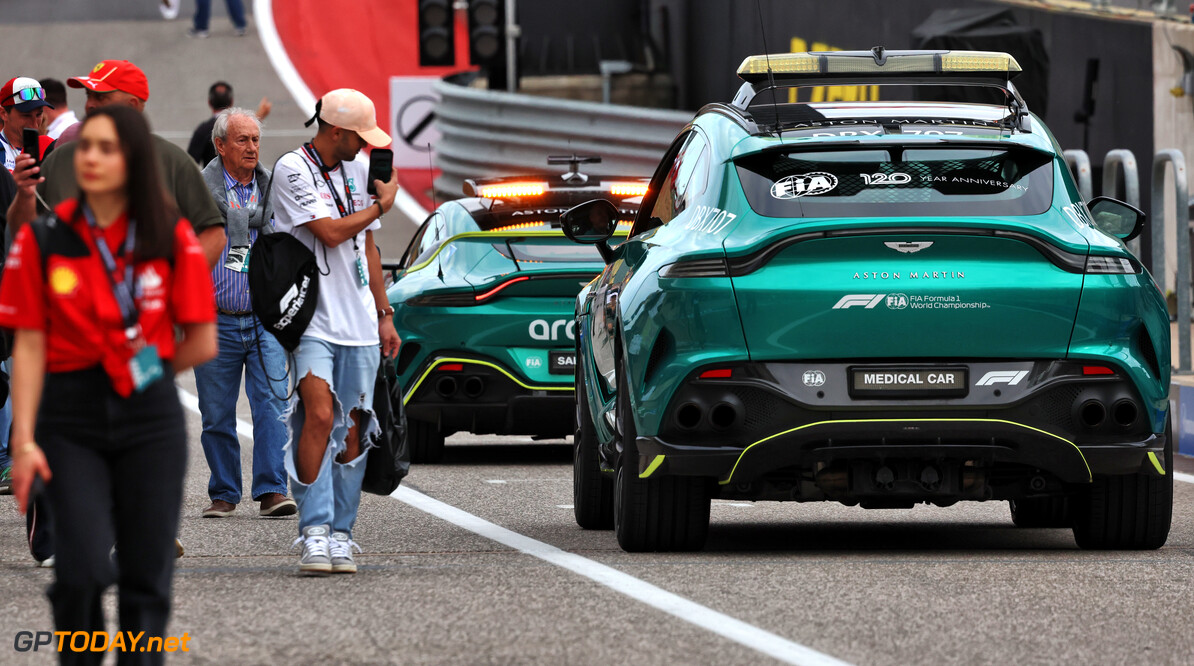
[437, 37]
[487, 32]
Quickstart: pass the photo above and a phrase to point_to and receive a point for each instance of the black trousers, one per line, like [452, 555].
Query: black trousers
[117, 466]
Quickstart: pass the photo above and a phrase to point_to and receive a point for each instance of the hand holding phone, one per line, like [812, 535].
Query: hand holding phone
[31, 142]
[381, 166]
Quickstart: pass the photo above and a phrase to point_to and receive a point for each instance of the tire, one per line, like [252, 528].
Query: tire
[426, 442]
[592, 491]
[1129, 511]
[669, 513]
[1041, 512]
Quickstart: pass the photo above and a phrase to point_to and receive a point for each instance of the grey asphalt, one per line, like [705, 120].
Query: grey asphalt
[927, 586]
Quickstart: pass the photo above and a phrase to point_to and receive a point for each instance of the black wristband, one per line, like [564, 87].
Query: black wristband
[380, 211]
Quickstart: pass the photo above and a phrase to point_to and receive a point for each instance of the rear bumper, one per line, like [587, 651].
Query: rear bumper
[985, 443]
[486, 398]
[1047, 422]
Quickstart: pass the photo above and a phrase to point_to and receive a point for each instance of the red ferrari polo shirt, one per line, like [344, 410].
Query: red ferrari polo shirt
[73, 303]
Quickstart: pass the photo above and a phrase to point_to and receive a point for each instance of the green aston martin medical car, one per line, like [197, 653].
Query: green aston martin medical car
[875, 303]
[483, 301]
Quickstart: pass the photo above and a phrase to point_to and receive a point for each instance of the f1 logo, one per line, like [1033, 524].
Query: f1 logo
[867, 301]
[1009, 377]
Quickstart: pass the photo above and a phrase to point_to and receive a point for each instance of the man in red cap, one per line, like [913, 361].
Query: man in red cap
[22, 103]
[119, 82]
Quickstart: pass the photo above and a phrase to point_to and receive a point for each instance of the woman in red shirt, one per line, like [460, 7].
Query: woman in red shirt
[94, 293]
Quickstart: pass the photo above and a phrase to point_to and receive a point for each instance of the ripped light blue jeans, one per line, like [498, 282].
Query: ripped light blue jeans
[335, 495]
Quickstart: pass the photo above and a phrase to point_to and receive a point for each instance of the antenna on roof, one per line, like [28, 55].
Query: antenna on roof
[574, 161]
[431, 172]
[770, 74]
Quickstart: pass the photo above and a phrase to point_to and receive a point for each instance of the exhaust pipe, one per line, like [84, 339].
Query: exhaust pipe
[474, 386]
[1124, 413]
[1092, 413]
[689, 415]
[885, 478]
[723, 415]
[445, 387]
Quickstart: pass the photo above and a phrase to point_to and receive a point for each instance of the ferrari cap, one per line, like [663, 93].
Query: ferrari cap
[112, 75]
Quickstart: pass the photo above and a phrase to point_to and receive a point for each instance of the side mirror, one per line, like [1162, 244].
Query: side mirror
[1116, 218]
[591, 222]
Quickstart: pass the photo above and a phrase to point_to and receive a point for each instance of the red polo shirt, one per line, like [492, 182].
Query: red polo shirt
[73, 303]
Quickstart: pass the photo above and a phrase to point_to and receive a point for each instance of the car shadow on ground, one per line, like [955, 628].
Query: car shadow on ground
[537, 453]
[869, 537]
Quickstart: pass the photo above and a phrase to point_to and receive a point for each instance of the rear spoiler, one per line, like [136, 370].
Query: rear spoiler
[486, 236]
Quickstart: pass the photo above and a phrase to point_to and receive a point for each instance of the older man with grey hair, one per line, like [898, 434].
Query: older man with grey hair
[240, 185]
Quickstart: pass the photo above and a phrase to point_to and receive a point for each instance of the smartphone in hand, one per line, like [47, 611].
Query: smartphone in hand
[31, 140]
[381, 166]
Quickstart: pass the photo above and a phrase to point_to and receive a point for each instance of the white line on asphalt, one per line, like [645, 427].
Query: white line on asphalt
[263, 12]
[565, 506]
[1188, 478]
[494, 481]
[706, 618]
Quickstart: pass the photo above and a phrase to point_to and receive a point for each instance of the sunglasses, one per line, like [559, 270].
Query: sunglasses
[28, 94]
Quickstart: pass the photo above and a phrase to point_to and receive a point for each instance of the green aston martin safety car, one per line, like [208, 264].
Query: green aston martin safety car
[483, 301]
[874, 303]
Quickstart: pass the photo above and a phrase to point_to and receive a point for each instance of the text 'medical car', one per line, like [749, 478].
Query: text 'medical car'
[483, 301]
[879, 303]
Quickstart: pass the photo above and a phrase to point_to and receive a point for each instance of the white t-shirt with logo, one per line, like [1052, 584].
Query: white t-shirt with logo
[346, 313]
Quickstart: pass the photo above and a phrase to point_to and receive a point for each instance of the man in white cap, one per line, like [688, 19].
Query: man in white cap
[320, 198]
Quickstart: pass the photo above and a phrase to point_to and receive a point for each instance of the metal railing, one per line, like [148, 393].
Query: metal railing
[492, 133]
[1079, 163]
[1182, 211]
[1119, 165]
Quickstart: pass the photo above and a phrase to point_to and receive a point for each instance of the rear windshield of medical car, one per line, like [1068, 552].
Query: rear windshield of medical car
[547, 251]
[898, 181]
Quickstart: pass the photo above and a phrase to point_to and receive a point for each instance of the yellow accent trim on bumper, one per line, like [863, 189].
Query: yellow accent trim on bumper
[440, 361]
[652, 467]
[730, 478]
[1156, 463]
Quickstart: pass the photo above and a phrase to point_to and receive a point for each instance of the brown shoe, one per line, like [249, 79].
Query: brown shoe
[219, 509]
[274, 505]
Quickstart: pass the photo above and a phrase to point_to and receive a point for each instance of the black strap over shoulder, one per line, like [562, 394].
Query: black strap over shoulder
[54, 236]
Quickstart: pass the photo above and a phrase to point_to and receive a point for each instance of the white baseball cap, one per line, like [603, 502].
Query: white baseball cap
[352, 110]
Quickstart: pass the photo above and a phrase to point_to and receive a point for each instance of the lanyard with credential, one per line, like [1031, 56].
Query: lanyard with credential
[323, 171]
[123, 290]
[344, 212]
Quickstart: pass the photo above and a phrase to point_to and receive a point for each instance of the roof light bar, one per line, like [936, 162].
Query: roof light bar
[628, 189]
[513, 190]
[522, 225]
[894, 63]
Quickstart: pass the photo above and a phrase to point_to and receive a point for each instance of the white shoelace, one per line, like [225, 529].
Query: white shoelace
[312, 546]
[344, 548]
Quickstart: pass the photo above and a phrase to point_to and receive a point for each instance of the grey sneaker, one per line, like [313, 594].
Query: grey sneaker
[341, 552]
[197, 34]
[316, 559]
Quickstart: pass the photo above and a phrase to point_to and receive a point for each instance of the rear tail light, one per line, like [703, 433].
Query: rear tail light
[1100, 265]
[695, 268]
[507, 283]
[451, 367]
